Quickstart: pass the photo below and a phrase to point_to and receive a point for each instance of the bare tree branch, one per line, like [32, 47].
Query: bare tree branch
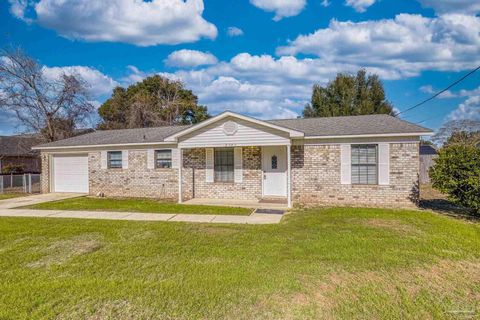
[51, 107]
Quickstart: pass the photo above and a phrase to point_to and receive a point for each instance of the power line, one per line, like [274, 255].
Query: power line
[428, 119]
[440, 92]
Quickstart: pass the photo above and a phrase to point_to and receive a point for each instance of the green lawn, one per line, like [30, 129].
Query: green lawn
[338, 263]
[4, 196]
[136, 205]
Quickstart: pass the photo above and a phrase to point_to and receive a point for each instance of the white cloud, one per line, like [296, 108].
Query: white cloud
[453, 6]
[99, 84]
[430, 90]
[9, 123]
[18, 9]
[190, 58]
[234, 32]
[138, 22]
[404, 46]
[281, 8]
[470, 109]
[261, 86]
[359, 5]
[469, 93]
[325, 3]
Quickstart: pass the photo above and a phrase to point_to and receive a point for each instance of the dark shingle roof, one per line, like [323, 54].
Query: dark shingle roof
[101, 137]
[351, 125]
[18, 145]
[334, 126]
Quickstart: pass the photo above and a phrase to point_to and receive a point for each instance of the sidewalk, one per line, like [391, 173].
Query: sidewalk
[255, 218]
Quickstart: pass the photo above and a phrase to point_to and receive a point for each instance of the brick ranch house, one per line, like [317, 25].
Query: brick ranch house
[370, 160]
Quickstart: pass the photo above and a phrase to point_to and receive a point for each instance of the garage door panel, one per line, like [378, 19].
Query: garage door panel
[70, 173]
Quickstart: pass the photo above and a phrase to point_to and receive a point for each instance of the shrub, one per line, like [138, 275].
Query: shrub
[457, 173]
[13, 168]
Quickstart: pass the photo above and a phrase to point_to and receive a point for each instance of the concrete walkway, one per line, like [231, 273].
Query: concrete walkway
[7, 210]
[255, 218]
[35, 199]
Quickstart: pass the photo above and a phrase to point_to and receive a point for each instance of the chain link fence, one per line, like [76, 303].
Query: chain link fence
[20, 183]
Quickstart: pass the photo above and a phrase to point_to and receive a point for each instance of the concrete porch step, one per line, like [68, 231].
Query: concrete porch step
[254, 204]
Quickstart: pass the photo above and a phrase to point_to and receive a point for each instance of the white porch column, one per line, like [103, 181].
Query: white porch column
[289, 177]
[180, 166]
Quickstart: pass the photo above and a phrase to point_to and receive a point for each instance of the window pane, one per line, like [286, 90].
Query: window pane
[364, 164]
[163, 158]
[115, 155]
[274, 162]
[164, 154]
[223, 165]
[114, 159]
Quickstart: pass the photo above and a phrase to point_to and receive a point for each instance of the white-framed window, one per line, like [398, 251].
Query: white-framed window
[163, 158]
[114, 159]
[364, 164]
[224, 164]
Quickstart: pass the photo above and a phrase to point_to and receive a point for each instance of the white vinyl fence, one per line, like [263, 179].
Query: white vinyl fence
[20, 183]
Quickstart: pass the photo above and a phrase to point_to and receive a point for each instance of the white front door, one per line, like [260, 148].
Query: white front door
[274, 164]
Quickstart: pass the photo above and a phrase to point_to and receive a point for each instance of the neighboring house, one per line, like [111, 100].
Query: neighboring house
[427, 155]
[16, 152]
[368, 160]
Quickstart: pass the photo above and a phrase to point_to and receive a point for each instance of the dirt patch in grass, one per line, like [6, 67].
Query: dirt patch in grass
[442, 289]
[443, 283]
[394, 225]
[111, 310]
[432, 199]
[64, 250]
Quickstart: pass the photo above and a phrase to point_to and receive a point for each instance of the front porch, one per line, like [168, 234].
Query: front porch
[248, 176]
[235, 158]
[272, 204]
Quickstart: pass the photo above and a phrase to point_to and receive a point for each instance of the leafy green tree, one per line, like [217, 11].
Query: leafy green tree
[464, 138]
[349, 95]
[456, 172]
[156, 101]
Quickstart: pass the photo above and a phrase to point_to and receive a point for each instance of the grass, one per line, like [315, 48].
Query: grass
[136, 205]
[4, 196]
[337, 263]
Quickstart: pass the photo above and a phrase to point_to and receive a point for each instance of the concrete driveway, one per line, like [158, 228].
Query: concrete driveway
[38, 198]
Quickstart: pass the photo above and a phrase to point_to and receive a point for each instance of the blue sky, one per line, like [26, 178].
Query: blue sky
[258, 57]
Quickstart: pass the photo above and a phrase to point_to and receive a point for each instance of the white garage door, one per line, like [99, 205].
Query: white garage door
[70, 173]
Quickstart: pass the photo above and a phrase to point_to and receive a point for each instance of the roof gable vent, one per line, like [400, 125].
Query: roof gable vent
[230, 128]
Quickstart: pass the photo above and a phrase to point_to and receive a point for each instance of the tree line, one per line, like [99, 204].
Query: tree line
[55, 107]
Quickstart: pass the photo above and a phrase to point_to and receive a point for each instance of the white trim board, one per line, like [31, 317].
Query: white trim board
[104, 145]
[372, 135]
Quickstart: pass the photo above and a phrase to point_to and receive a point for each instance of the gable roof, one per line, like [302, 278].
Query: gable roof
[332, 127]
[375, 124]
[20, 145]
[294, 133]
